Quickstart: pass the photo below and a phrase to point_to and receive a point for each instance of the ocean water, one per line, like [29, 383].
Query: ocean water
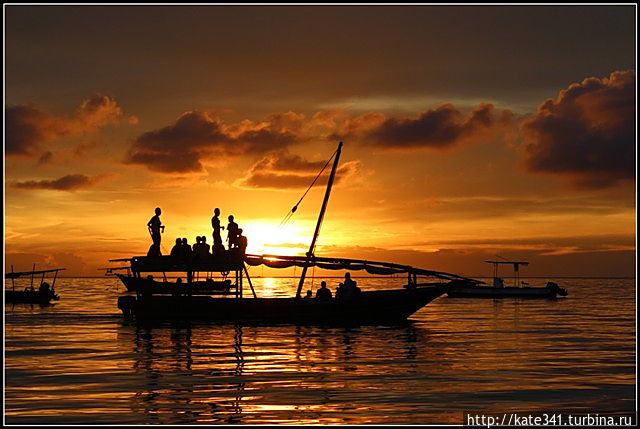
[78, 362]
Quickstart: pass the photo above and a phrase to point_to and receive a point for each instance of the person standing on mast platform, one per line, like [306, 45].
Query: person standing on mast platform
[215, 223]
[155, 225]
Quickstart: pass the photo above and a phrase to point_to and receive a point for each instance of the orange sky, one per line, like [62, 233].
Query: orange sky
[469, 132]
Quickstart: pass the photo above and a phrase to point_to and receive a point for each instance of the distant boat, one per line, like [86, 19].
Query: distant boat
[156, 299]
[44, 294]
[499, 290]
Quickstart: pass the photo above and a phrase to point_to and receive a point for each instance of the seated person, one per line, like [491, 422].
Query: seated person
[45, 289]
[204, 246]
[324, 293]
[196, 245]
[340, 291]
[176, 249]
[242, 242]
[309, 295]
[186, 250]
[349, 287]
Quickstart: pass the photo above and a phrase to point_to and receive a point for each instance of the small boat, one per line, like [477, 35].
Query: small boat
[29, 295]
[499, 290]
[166, 300]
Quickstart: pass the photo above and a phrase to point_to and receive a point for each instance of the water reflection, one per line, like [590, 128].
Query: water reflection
[78, 363]
[226, 374]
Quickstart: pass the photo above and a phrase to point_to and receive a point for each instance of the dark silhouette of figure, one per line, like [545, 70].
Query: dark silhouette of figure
[232, 233]
[349, 289]
[155, 225]
[340, 291]
[242, 242]
[201, 248]
[309, 294]
[204, 246]
[154, 250]
[215, 223]
[197, 245]
[176, 250]
[186, 250]
[45, 289]
[323, 294]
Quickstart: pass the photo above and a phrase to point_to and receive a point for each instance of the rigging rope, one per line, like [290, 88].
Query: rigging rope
[295, 207]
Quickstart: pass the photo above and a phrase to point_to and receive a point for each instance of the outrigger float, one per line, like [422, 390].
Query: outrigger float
[499, 290]
[224, 300]
[29, 295]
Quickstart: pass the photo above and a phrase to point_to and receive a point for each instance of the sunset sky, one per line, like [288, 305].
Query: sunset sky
[469, 132]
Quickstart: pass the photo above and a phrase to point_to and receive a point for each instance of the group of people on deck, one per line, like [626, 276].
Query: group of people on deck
[347, 290]
[182, 250]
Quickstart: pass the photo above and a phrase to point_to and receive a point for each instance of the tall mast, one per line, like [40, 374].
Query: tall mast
[320, 217]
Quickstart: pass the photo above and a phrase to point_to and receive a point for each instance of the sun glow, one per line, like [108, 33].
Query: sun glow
[267, 237]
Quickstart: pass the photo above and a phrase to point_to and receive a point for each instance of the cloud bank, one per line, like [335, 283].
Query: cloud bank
[283, 170]
[29, 128]
[587, 132]
[70, 182]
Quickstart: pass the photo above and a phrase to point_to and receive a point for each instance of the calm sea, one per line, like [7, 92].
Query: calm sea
[78, 362]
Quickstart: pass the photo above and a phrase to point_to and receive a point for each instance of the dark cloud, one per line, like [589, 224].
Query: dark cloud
[196, 137]
[587, 132]
[441, 127]
[70, 182]
[29, 128]
[282, 170]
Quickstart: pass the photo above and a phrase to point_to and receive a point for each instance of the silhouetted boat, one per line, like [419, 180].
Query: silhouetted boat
[43, 295]
[499, 290]
[179, 301]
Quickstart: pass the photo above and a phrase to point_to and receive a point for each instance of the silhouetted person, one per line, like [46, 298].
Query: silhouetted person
[45, 289]
[242, 242]
[215, 223]
[205, 246]
[154, 250]
[323, 294]
[176, 250]
[186, 249]
[340, 291]
[155, 225]
[232, 233]
[201, 249]
[196, 246]
[309, 295]
[349, 289]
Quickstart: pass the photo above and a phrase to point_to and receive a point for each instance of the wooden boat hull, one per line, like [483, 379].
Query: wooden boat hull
[28, 297]
[372, 307]
[505, 292]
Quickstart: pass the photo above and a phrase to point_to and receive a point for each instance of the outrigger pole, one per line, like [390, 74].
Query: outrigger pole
[320, 218]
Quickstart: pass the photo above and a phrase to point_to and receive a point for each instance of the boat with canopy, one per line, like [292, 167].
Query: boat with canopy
[215, 286]
[44, 294]
[499, 290]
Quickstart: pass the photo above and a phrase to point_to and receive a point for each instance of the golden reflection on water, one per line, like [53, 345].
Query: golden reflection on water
[78, 362]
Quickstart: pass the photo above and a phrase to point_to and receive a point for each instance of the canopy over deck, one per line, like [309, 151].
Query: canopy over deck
[234, 262]
[514, 263]
[16, 274]
[327, 263]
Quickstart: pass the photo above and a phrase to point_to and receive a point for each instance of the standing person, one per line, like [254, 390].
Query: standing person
[155, 225]
[215, 223]
[232, 233]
